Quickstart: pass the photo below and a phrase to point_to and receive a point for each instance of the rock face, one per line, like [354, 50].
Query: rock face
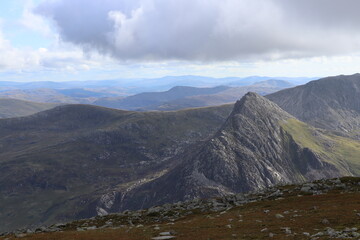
[331, 103]
[251, 151]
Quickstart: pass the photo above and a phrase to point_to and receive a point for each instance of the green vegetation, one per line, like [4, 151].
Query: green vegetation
[337, 150]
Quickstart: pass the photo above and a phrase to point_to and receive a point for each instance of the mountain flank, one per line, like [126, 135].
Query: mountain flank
[331, 103]
[17, 108]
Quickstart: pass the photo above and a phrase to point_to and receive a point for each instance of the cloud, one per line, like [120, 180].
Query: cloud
[60, 57]
[208, 30]
[33, 21]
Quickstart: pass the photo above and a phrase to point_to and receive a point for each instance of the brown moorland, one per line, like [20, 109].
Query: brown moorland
[295, 215]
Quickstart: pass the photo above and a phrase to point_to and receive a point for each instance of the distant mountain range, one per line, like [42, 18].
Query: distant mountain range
[134, 86]
[189, 97]
[178, 97]
[79, 161]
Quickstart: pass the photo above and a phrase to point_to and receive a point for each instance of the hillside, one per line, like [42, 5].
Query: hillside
[317, 210]
[331, 103]
[17, 108]
[66, 162]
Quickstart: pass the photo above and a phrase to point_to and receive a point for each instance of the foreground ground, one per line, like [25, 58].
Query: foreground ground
[321, 211]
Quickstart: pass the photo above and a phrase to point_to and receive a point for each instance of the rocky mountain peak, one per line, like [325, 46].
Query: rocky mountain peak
[250, 151]
[255, 112]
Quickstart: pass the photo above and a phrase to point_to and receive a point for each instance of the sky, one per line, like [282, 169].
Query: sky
[65, 40]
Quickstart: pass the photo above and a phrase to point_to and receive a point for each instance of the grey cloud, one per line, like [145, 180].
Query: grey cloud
[208, 30]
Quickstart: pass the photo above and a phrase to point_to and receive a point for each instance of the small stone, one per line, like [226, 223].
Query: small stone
[325, 221]
[228, 226]
[306, 234]
[271, 235]
[264, 230]
[163, 237]
[20, 235]
[91, 228]
[279, 216]
[286, 230]
[164, 233]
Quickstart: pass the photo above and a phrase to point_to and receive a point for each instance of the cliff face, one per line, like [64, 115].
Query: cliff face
[251, 151]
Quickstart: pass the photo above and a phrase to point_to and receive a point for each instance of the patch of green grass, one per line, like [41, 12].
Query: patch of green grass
[340, 151]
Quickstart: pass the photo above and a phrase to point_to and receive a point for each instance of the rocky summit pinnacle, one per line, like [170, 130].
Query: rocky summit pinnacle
[250, 151]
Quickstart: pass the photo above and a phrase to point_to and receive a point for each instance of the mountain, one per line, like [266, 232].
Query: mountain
[17, 108]
[273, 83]
[65, 163]
[258, 146]
[181, 97]
[331, 103]
[256, 79]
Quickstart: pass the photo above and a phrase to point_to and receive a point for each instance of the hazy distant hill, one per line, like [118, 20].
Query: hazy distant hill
[151, 100]
[332, 103]
[72, 95]
[189, 97]
[138, 85]
[17, 108]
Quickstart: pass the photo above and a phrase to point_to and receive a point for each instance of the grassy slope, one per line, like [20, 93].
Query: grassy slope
[18, 108]
[334, 149]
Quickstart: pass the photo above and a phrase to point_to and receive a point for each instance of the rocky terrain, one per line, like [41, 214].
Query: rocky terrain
[314, 210]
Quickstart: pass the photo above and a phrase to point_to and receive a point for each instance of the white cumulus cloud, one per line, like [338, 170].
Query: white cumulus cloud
[208, 30]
